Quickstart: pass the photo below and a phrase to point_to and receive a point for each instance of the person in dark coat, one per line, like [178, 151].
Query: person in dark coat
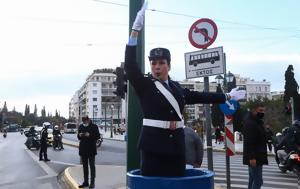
[193, 148]
[44, 142]
[270, 135]
[88, 134]
[255, 145]
[218, 134]
[161, 140]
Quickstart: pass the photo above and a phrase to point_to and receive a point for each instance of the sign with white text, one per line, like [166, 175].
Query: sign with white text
[204, 63]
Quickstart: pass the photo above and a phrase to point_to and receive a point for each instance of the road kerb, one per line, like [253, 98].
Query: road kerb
[70, 181]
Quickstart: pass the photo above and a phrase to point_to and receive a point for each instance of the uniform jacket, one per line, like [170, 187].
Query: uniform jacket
[255, 140]
[87, 145]
[44, 136]
[156, 106]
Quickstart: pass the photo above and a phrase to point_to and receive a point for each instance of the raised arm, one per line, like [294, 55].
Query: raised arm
[133, 72]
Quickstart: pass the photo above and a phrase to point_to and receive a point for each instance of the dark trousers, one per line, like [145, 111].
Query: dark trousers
[270, 146]
[255, 177]
[153, 164]
[86, 160]
[43, 151]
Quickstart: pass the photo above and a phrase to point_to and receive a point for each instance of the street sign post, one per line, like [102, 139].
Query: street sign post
[201, 35]
[229, 108]
[204, 63]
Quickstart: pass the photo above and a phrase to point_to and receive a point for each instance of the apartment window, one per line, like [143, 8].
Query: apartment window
[97, 78]
[103, 85]
[94, 99]
[94, 84]
[110, 85]
[94, 91]
[266, 88]
[108, 78]
[259, 89]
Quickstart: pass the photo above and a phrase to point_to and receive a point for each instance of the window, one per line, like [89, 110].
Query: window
[94, 99]
[266, 88]
[94, 84]
[97, 78]
[94, 91]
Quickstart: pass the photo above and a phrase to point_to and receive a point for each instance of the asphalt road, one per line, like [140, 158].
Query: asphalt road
[20, 167]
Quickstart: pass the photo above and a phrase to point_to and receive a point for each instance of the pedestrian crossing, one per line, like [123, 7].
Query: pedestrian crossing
[273, 178]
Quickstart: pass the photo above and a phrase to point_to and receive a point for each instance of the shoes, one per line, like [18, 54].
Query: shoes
[41, 159]
[92, 185]
[84, 184]
[47, 160]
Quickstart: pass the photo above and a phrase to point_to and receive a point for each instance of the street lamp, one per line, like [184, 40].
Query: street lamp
[229, 77]
[111, 124]
[219, 79]
[95, 109]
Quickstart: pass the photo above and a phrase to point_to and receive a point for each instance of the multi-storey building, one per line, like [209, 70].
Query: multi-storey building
[96, 99]
[254, 89]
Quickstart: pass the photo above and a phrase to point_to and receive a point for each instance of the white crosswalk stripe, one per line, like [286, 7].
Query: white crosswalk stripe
[273, 178]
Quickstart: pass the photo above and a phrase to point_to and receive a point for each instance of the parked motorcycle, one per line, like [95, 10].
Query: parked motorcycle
[99, 141]
[291, 161]
[57, 142]
[33, 141]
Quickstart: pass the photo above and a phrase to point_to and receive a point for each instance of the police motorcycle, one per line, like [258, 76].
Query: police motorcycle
[99, 141]
[33, 139]
[57, 138]
[290, 160]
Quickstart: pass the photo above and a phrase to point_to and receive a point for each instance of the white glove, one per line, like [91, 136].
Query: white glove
[236, 94]
[139, 19]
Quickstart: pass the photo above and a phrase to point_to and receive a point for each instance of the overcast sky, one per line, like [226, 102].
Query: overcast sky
[48, 47]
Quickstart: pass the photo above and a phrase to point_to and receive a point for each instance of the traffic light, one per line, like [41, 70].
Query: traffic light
[120, 82]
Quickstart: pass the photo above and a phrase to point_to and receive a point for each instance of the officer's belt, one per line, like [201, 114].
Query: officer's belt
[161, 124]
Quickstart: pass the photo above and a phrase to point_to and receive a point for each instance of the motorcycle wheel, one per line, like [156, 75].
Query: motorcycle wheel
[283, 170]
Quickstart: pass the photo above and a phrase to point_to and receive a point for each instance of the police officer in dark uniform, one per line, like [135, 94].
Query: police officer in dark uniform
[44, 143]
[161, 141]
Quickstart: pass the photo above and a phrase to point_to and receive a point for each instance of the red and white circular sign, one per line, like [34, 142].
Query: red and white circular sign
[203, 33]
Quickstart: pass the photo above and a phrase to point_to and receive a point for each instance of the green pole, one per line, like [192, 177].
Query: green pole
[134, 120]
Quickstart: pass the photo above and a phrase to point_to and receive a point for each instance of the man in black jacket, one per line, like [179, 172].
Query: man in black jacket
[44, 142]
[255, 145]
[88, 134]
[161, 141]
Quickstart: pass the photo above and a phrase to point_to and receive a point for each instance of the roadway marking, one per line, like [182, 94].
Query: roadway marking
[42, 164]
[64, 163]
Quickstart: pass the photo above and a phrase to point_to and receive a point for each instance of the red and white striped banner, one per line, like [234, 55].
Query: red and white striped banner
[230, 148]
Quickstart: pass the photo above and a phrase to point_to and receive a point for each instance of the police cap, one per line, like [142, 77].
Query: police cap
[159, 53]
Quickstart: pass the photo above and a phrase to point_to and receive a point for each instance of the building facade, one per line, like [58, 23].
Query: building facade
[254, 89]
[96, 99]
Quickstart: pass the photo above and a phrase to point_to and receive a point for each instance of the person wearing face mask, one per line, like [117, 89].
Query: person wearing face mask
[88, 134]
[162, 141]
[255, 145]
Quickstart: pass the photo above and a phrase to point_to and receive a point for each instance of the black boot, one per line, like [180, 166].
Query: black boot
[84, 184]
[92, 185]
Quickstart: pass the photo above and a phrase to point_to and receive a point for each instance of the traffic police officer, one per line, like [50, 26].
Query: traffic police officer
[161, 141]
